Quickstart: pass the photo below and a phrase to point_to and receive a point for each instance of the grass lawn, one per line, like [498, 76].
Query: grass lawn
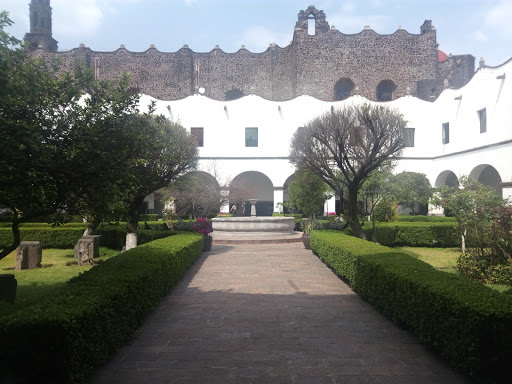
[34, 285]
[444, 259]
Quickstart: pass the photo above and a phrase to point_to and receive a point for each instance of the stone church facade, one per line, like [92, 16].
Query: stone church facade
[320, 62]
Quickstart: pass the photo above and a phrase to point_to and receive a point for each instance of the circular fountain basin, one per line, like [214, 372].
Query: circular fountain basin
[254, 224]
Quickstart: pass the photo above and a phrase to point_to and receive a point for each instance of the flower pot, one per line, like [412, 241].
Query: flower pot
[207, 244]
[306, 239]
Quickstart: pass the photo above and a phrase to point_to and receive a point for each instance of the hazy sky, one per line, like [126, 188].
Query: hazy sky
[477, 27]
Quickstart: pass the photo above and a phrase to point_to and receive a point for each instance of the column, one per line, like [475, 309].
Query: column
[278, 198]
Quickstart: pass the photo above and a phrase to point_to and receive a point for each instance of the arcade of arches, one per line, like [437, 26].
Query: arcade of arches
[258, 186]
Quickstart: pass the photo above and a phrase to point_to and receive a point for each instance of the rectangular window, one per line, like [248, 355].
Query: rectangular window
[446, 133]
[198, 134]
[251, 137]
[482, 116]
[409, 137]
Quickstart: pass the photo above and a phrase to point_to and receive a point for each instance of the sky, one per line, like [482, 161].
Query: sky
[482, 28]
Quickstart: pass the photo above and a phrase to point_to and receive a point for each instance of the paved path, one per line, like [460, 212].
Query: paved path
[269, 314]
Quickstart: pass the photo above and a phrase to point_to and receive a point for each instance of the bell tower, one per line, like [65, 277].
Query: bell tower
[40, 35]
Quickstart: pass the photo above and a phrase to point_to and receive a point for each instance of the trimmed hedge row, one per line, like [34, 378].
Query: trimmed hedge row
[64, 338]
[66, 237]
[428, 219]
[148, 217]
[415, 234]
[467, 323]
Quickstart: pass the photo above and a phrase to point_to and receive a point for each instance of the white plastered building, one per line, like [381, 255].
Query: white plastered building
[466, 131]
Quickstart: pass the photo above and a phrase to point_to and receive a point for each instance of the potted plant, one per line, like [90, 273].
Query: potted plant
[204, 226]
[307, 227]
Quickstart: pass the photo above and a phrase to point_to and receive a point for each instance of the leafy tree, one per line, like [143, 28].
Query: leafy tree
[164, 152]
[484, 223]
[69, 142]
[306, 193]
[410, 188]
[344, 146]
[100, 147]
[195, 194]
[35, 105]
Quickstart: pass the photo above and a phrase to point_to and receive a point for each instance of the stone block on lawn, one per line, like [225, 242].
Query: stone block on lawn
[29, 255]
[87, 248]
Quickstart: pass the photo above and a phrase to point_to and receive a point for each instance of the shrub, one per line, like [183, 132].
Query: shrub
[148, 217]
[112, 236]
[423, 218]
[58, 237]
[397, 234]
[480, 269]
[68, 335]
[386, 211]
[467, 323]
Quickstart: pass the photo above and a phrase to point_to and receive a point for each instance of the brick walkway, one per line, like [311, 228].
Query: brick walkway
[269, 314]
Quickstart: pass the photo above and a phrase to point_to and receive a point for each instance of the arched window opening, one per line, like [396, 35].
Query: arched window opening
[311, 25]
[488, 175]
[385, 90]
[233, 94]
[343, 89]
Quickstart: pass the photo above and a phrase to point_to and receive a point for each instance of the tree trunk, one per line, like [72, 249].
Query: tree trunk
[92, 227]
[16, 234]
[132, 224]
[352, 217]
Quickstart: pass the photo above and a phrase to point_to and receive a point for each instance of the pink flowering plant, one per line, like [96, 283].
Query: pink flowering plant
[203, 226]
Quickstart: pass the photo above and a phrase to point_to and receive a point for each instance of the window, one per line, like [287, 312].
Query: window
[251, 137]
[343, 89]
[198, 134]
[385, 90]
[482, 116]
[409, 137]
[311, 25]
[446, 133]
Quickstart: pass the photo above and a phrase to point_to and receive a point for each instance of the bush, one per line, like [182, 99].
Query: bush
[58, 237]
[398, 234]
[65, 337]
[428, 219]
[386, 211]
[467, 323]
[66, 236]
[480, 269]
[148, 217]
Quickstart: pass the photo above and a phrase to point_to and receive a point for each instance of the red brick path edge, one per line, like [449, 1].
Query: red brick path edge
[269, 313]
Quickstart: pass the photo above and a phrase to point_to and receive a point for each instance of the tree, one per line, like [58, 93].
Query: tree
[485, 225]
[196, 194]
[35, 106]
[344, 146]
[411, 188]
[100, 147]
[306, 193]
[471, 204]
[163, 152]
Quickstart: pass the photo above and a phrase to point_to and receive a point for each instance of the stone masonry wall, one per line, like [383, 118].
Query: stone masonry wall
[311, 65]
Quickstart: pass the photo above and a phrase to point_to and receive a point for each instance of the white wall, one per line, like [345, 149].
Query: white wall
[224, 124]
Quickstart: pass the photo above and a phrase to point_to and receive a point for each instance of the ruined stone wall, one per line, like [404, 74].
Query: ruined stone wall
[457, 69]
[310, 65]
[366, 58]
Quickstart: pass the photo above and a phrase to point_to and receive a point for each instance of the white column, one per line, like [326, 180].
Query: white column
[278, 198]
[224, 194]
[506, 190]
[330, 205]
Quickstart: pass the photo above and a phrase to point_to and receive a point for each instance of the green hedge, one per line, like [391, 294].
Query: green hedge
[64, 338]
[148, 217]
[67, 237]
[397, 234]
[428, 219]
[467, 323]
